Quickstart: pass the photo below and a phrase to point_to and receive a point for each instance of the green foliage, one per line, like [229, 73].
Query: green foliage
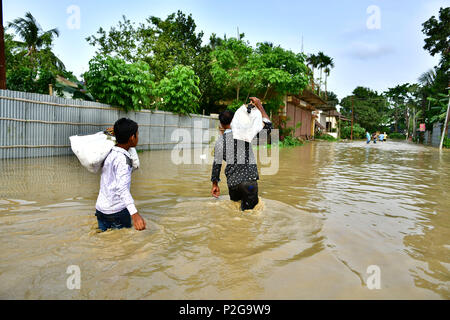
[370, 108]
[228, 69]
[29, 80]
[30, 64]
[179, 91]
[162, 44]
[446, 143]
[396, 135]
[290, 141]
[267, 72]
[438, 104]
[358, 132]
[34, 51]
[437, 33]
[115, 82]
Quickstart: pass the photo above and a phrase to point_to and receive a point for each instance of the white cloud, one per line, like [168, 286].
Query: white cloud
[365, 51]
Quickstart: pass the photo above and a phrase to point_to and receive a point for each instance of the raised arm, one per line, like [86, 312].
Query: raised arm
[260, 107]
[216, 167]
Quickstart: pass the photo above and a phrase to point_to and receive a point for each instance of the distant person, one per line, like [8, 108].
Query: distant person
[368, 137]
[241, 170]
[381, 137]
[374, 137]
[115, 206]
[384, 136]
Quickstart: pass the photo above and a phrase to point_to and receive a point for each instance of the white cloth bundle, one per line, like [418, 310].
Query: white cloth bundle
[245, 126]
[93, 149]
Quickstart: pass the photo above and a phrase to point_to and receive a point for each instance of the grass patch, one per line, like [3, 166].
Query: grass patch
[325, 137]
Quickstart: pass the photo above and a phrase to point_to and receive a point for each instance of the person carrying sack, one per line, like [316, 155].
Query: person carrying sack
[241, 169]
[115, 206]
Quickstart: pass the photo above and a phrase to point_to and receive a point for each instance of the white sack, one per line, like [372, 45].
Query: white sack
[245, 126]
[93, 149]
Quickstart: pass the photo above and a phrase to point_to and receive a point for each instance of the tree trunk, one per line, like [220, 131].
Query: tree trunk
[267, 90]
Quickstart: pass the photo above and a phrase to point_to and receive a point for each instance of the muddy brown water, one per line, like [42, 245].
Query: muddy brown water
[331, 211]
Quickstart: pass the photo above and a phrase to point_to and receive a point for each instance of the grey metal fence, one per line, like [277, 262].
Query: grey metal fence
[36, 125]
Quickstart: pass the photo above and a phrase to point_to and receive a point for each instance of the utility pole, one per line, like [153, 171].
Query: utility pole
[302, 44]
[446, 120]
[2, 51]
[351, 131]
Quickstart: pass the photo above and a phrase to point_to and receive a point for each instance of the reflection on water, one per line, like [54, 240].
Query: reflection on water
[332, 210]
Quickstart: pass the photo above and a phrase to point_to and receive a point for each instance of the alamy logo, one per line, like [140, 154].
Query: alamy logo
[74, 280]
[374, 280]
[74, 20]
[193, 147]
[374, 20]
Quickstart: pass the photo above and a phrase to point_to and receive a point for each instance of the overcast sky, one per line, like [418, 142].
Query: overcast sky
[375, 43]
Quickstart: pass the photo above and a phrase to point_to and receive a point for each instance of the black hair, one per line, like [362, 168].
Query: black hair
[226, 116]
[124, 128]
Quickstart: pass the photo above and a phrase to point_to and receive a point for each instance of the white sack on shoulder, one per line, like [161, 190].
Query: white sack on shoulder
[245, 126]
[92, 149]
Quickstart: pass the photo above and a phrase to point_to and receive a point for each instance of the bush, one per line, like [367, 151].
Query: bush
[446, 143]
[290, 141]
[179, 91]
[358, 132]
[396, 135]
[115, 82]
[29, 80]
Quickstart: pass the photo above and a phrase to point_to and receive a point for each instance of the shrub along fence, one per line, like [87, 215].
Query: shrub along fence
[36, 125]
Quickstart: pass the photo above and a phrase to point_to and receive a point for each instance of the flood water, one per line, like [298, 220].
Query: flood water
[333, 210]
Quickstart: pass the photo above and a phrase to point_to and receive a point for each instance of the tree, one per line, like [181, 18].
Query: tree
[397, 98]
[435, 82]
[427, 78]
[321, 64]
[162, 44]
[36, 44]
[28, 79]
[268, 72]
[328, 65]
[369, 108]
[228, 66]
[437, 33]
[129, 86]
[332, 98]
[281, 72]
[313, 62]
[179, 91]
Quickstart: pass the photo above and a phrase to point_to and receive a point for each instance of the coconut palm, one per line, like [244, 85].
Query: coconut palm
[329, 64]
[321, 64]
[35, 40]
[427, 78]
[313, 62]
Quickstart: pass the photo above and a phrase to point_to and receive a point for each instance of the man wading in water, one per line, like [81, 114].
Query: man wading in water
[241, 170]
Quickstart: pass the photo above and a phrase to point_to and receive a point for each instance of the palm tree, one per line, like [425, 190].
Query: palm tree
[35, 40]
[313, 61]
[321, 64]
[329, 64]
[427, 78]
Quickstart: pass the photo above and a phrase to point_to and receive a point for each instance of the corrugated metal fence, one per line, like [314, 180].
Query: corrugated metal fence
[36, 125]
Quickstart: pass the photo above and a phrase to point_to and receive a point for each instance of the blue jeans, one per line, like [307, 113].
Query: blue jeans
[118, 220]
